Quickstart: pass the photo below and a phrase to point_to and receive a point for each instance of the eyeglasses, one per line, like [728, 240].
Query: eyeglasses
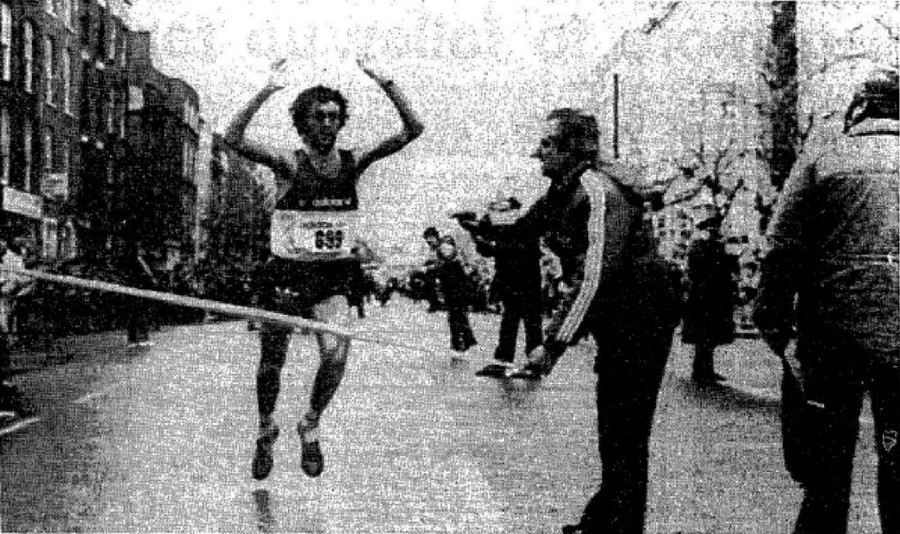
[322, 116]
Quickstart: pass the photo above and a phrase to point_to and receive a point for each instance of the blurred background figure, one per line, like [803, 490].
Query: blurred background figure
[709, 310]
[456, 290]
[139, 274]
[517, 279]
[432, 290]
[12, 286]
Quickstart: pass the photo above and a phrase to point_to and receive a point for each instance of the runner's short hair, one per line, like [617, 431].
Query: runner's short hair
[431, 231]
[308, 97]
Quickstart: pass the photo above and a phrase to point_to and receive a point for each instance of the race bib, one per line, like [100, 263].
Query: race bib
[313, 234]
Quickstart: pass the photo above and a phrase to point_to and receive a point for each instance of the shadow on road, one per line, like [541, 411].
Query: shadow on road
[726, 396]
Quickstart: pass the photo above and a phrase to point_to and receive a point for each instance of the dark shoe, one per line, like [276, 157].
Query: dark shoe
[580, 528]
[525, 374]
[710, 377]
[312, 462]
[494, 370]
[262, 460]
[12, 400]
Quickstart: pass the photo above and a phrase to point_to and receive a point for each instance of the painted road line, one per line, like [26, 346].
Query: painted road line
[19, 425]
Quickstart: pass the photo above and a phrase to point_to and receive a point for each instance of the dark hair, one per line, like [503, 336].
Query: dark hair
[308, 97]
[578, 131]
[876, 98]
[431, 231]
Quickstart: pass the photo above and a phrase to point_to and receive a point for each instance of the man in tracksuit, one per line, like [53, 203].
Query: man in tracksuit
[620, 292]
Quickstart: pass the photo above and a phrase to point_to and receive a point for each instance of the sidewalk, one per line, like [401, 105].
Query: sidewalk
[37, 354]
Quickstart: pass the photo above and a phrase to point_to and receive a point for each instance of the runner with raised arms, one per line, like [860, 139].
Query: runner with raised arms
[310, 269]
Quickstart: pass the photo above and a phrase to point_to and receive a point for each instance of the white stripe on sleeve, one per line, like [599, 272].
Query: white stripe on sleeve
[593, 262]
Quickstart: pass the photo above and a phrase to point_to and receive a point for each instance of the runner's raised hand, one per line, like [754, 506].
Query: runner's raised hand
[365, 62]
[278, 74]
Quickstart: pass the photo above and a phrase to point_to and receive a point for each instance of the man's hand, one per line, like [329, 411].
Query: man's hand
[278, 74]
[365, 63]
[539, 361]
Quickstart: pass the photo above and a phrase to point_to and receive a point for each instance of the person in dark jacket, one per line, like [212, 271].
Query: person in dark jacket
[620, 292]
[516, 283]
[140, 275]
[455, 287]
[432, 285]
[832, 272]
[709, 310]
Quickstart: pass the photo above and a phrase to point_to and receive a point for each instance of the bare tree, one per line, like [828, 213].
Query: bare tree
[711, 170]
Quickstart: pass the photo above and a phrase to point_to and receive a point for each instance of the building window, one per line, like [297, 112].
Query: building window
[48, 150]
[123, 47]
[27, 155]
[67, 80]
[101, 37]
[85, 27]
[189, 155]
[48, 69]
[111, 43]
[122, 111]
[4, 146]
[68, 244]
[28, 56]
[68, 13]
[50, 238]
[5, 41]
[84, 112]
[110, 111]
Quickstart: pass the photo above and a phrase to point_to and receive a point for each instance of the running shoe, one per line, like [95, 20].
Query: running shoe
[312, 462]
[262, 460]
[493, 370]
[12, 400]
[580, 528]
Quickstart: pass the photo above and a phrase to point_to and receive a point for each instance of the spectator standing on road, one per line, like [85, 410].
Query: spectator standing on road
[709, 310]
[833, 249]
[17, 286]
[456, 288]
[12, 285]
[432, 285]
[139, 274]
[517, 280]
[620, 292]
[310, 270]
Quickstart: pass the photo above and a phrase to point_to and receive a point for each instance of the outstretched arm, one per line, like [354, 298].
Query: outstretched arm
[412, 127]
[234, 134]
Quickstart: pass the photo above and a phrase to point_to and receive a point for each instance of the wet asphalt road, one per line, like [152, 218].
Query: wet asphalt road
[161, 439]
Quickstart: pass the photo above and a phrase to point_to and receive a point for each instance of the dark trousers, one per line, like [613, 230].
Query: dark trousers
[704, 352]
[5, 357]
[518, 309]
[138, 327]
[836, 376]
[461, 335]
[629, 377]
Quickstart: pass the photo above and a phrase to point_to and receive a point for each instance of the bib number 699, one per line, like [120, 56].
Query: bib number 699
[329, 239]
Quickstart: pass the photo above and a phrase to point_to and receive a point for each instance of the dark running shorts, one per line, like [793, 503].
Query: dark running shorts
[294, 287]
